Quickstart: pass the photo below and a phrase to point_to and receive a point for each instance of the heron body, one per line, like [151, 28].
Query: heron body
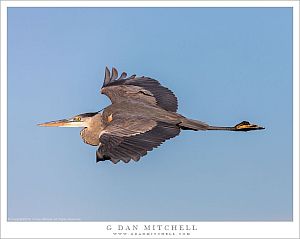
[141, 117]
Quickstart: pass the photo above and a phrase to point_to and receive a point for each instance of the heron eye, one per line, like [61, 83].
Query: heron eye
[77, 119]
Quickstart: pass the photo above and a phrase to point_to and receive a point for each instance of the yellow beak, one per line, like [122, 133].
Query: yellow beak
[63, 123]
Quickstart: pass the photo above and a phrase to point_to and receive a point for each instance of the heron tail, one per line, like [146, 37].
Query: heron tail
[190, 124]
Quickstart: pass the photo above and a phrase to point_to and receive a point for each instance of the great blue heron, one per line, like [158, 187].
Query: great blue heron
[141, 117]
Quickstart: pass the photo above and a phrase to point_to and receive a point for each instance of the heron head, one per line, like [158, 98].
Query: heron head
[246, 126]
[81, 120]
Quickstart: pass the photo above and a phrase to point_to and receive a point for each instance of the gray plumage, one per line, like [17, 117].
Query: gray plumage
[141, 117]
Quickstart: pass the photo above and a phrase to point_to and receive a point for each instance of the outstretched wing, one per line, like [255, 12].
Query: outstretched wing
[142, 89]
[132, 139]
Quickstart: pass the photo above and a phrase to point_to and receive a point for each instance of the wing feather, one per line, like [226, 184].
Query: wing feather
[107, 76]
[114, 75]
[118, 144]
[142, 89]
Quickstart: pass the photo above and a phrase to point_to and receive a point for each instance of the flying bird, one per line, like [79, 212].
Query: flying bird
[143, 115]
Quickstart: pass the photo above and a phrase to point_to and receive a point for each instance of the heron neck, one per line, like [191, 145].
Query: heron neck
[90, 134]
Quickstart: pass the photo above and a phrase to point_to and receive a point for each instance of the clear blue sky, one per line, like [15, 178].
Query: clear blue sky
[225, 65]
